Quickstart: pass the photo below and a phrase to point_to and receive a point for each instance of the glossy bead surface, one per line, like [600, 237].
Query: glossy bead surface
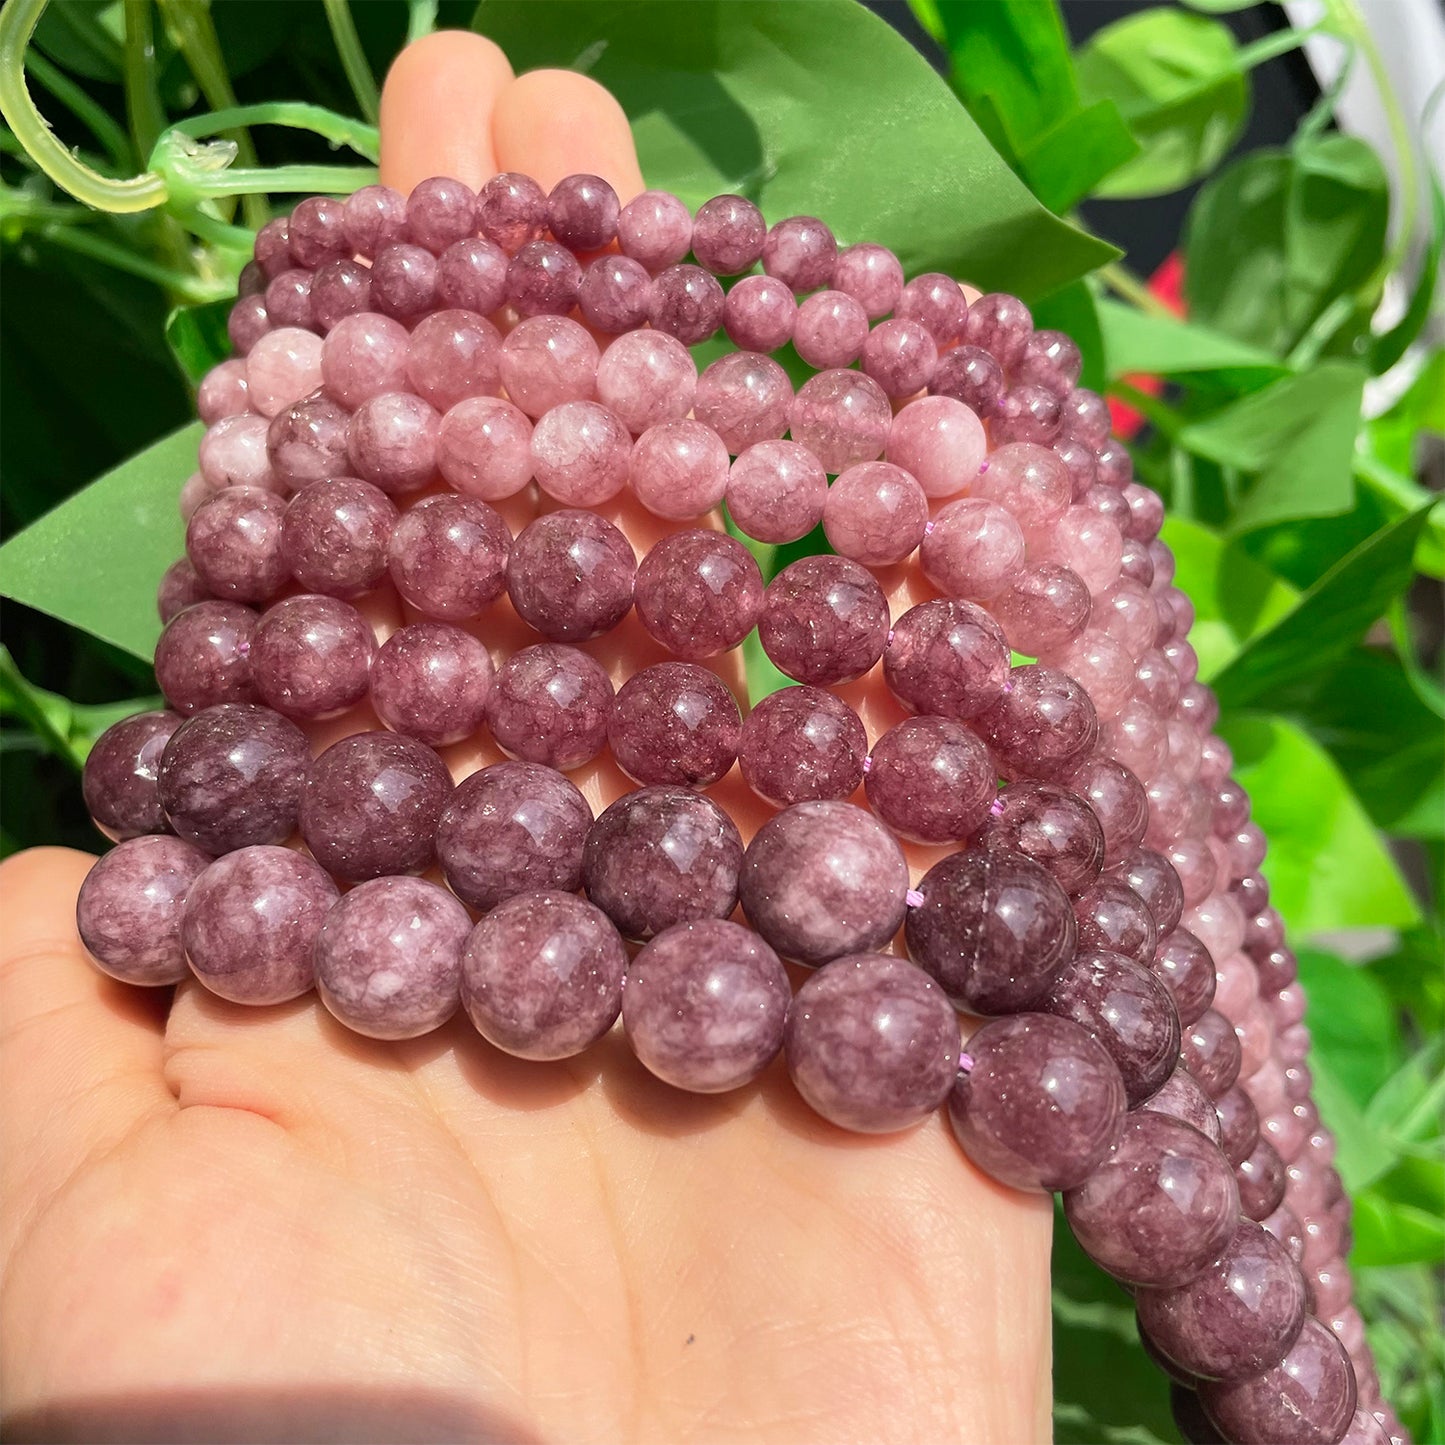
[900, 355]
[1112, 916]
[512, 210]
[311, 656]
[939, 441]
[875, 514]
[1048, 825]
[674, 723]
[119, 777]
[679, 469]
[549, 704]
[946, 658]
[1261, 1181]
[1042, 726]
[974, 550]
[698, 593]
[930, 779]
[802, 744]
[306, 442]
[655, 228]
[776, 491]
[234, 543]
[830, 330]
[1180, 1097]
[615, 295]
[454, 355]
[448, 556]
[759, 314]
[938, 302]
[472, 276]
[872, 275]
[1184, 965]
[580, 453]
[334, 536]
[1238, 1124]
[686, 303]
[744, 398]
[543, 279]
[970, 375]
[582, 212]
[430, 681]
[1211, 1052]
[800, 252]
[824, 620]
[203, 656]
[548, 360]
[646, 378]
[728, 234]
[391, 441]
[1119, 802]
[570, 575]
[842, 417]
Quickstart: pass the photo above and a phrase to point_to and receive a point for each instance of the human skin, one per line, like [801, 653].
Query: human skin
[249, 1224]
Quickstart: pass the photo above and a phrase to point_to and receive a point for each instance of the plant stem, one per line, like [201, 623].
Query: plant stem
[216, 232]
[353, 57]
[421, 19]
[112, 138]
[340, 130]
[1125, 284]
[280, 180]
[186, 288]
[143, 107]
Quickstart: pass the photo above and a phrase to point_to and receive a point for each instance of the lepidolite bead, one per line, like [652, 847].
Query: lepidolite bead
[615, 295]
[512, 828]
[698, 593]
[970, 375]
[1048, 825]
[686, 303]
[993, 928]
[582, 212]
[549, 704]
[233, 454]
[1180, 1097]
[1038, 1105]
[389, 957]
[1112, 916]
[222, 391]
[872, 275]
[128, 912]
[448, 556]
[1028, 414]
[1238, 1124]
[311, 656]
[824, 620]
[512, 210]
[371, 803]
[1210, 1049]
[547, 360]
[974, 550]
[281, 368]
[1044, 610]
[570, 575]
[391, 441]
[823, 879]
[842, 417]
[679, 469]
[234, 543]
[454, 355]
[484, 448]
[203, 656]
[900, 355]
[646, 378]
[655, 228]
[119, 779]
[744, 398]
[430, 681]
[543, 280]
[404, 281]
[661, 856]
[272, 247]
[1042, 726]
[875, 513]
[364, 356]
[1118, 800]
[872, 1044]
[776, 491]
[334, 536]
[674, 723]
[1261, 1180]
[1184, 964]
[580, 453]
[801, 252]
[306, 442]
[930, 779]
[472, 276]
[946, 658]
[705, 1005]
[542, 975]
[830, 331]
[1030, 481]
[373, 217]
[760, 313]
[728, 234]
[1001, 325]
[246, 323]
[801, 744]
[1153, 878]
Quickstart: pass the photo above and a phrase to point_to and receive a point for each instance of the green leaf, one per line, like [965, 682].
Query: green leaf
[1387, 349]
[1075, 311]
[1389, 1233]
[1362, 1153]
[1327, 867]
[1352, 1023]
[817, 108]
[198, 339]
[95, 560]
[1139, 342]
[84, 36]
[1177, 82]
[1069, 160]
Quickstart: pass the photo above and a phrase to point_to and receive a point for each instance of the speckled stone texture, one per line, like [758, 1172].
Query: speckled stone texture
[660, 856]
[824, 879]
[674, 723]
[824, 620]
[993, 928]
[389, 957]
[1050, 826]
[930, 779]
[231, 777]
[1238, 1123]
[1042, 726]
[875, 513]
[1160, 1208]
[801, 744]
[872, 1044]
[306, 443]
[1261, 1179]
[1112, 916]
[549, 704]
[1181, 1098]
[842, 417]
[946, 658]
[1210, 1050]
[448, 556]
[234, 543]
[1118, 800]
[371, 804]
[1040, 1105]
[744, 398]
[203, 656]
[1184, 964]
[512, 828]
[570, 575]
[698, 593]
[542, 975]
[180, 587]
[705, 1005]
[119, 780]
[251, 921]
[128, 912]
[334, 536]
[1153, 878]
[311, 656]
[430, 681]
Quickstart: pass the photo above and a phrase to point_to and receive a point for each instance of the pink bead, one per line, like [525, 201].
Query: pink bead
[1001, 325]
[776, 491]
[1146, 511]
[1088, 543]
[1136, 738]
[1163, 564]
[1266, 1086]
[744, 398]
[1184, 748]
[195, 491]
[901, 356]
[547, 360]
[1043, 610]
[282, 367]
[339, 288]
[454, 355]
[616, 294]
[580, 452]
[511, 211]
[543, 280]
[272, 248]
[288, 300]
[1086, 415]
[472, 276]
[1246, 850]
[223, 392]
[392, 442]
[247, 322]
[1217, 924]
[687, 302]
[1084, 472]
[941, 442]
[1193, 860]
[646, 378]
[760, 313]
[1255, 1037]
[1103, 667]
[484, 448]
[233, 454]
[938, 302]
[364, 356]
[830, 330]
[404, 282]
[1030, 481]
[679, 469]
[655, 229]
[1236, 986]
[1216, 761]
[373, 217]
[800, 251]
[875, 514]
[872, 276]
[727, 235]
[842, 417]
[973, 550]
[1125, 612]
[440, 211]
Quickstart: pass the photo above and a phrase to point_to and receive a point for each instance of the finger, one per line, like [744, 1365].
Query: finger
[436, 109]
[554, 123]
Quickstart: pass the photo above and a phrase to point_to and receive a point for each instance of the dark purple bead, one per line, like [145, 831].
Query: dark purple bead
[339, 288]
[472, 276]
[674, 723]
[430, 681]
[1251, 892]
[1210, 1049]
[234, 542]
[728, 234]
[1286, 1228]
[938, 302]
[972, 376]
[802, 744]
[582, 212]
[311, 656]
[1153, 878]
[571, 575]
[373, 217]
[512, 828]
[549, 704]
[247, 322]
[306, 442]
[946, 658]
[1238, 1124]
[615, 295]
[1277, 968]
[316, 231]
[930, 779]
[686, 303]
[1042, 725]
[288, 300]
[1261, 1181]
[660, 856]
[181, 587]
[1050, 826]
[800, 252]
[334, 536]
[1180, 1097]
[1112, 916]
[203, 656]
[824, 620]
[698, 593]
[448, 556]
[119, 781]
[512, 210]
[403, 281]
[1027, 414]
[1119, 801]
[1185, 966]
[439, 212]
[543, 279]
[1038, 1102]
[1229, 808]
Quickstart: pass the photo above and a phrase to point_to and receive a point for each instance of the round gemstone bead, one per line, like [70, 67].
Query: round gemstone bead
[472, 276]
[616, 294]
[119, 780]
[1090, 545]
[686, 303]
[580, 453]
[448, 556]
[1028, 414]
[993, 928]
[512, 210]
[800, 252]
[1118, 800]
[698, 593]
[872, 275]
[900, 355]
[547, 360]
[389, 957]
[728, 234]
[1180, 1097]
[582, 212]
[830, 330]
[705, 1005]
[371, 804]
[674, 723]
[128, 912]
[334, 536]
[776, 491]
[947, 658]
[655, 229]
[454, 355]
[373, 217]
[1238, 1124]
[543, 279]
[1084, 474]
[1052, 361]
[1048, 825]
[1001, 325]
[203, 656]
[404, 281]
[744, 398]
[679, 469]
[222, 392]
[306, 442]
[246, 323]
[872, 1044]
[1086, 414]
[392, 441]
[439, 211]
[281, 368]
[661, 856]
[1038, 1103]
[234, 543]
[759, 314]
[484, 448]
[802, 744]
[974, 550]
[824, 879]
[1153, 878]
[646, 378]
[311, 656]
[430, 681]
[972, 376]
[570, 575]
[1043, 611]
[250, 924]
[549, 704]
[233, 454]
[938, 302]
[364, 356]
[1184, 964]
[930, 779]
[512, 828]
[824, 620]
[1261, 1180]
[1113, 917]
[842, 417]
[1210, 1050]
[542, 975]
[875, 513]
[1041, 726]
[1030, 481]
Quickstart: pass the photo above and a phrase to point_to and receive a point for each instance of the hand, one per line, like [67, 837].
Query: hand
[247, 1224]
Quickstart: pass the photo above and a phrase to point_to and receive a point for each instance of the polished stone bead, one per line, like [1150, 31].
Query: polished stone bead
[548, 360]
[824, 620]
[1118, 800]
[728, 234]
[306, 442]
[842, 417]
[373, 217]
[970, 375]
[872, 275]
[974, 549]
[1050, 360]
[281, 368]
[1112, 916]
[233, 454]
[246, 323]
[222, 392]
[646, 378]
[448, 556]
[660, 856]
[1084, 475]
[1027, 414]
[512, 210]
[674, 723]
[1001, 325]
[679, 469]
[549, 704]
[1184, 965]
[900, 355]
[1038, 1102]
[392, 440]
[930, 779]
[1088, 544]
[119, 779]
[582, 212]
[938, 302]
[404, 282]
[472, 276]
[364, 356]
[776, 491]
[1180, 1097]
[1153, 878]
[580, 454]
[1190, 1420]
[454, 355]
[1042, 613]
[946, 658]
[615, 295]
[875, 513]
[705, 1005]
[686, 303]
[272, 246]
[234, 543]
[802, 744]
[1030, 481]
[430, 681]
[1284, 1225]
[334, 536]
[759, 314]
[1049, 825]
[1042, 725]
[698, 593]
[1238, 1124]
[570, 575]
[484, 448]
[830, 330]
[800, 252]
[655, 228]
[1210, 1049]
[203, 656]
[543, 279]
[745, 398]
[1261, 1180]
[311, 656]
[439, 211]
[288, 304]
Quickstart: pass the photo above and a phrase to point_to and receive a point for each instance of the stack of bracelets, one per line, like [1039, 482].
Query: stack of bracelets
[404, 367]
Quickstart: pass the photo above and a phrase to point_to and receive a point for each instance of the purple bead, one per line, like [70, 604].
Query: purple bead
[1084, 476]
[288, 301]
[759, 314]
[938, 302]
[250, 924]
[824, 620]
[660, 856]
[705, 1005]
[1153, 878]
[543, 279]
[930, 779]
[311, 656]
[993, 928]
[306, 442]
[1284, 1225]
[549, 704]
[582, 212]
[389, 957]
[900, 355]
[870, 274]
[512, 828]
[472, 276]
[430, 681]
[876, 514]
[1113, 917]
[371, 804]
[128, 912]
[842, 417]
[542, 975]
[570, 575]
[512, 210]
[1052, 361]
[404, 281]
[364, 356]
[391, 441]
[454, 355]
[231, 777]
[947, 658]
[686, 303]
[1042, 726]
[674, 723]
[1049, 825]
[1146, 513]
[1238, 1124]
[802, 744]
[1160, 1208]
[233, 454]
[801, 252]
[745, 399]
[698, 593]
[272, 247]
[439, 212]
[1045, 609]
[580, 454]
[616, 294]
[246, 323]
[1038, 1103]
[373, 217]
[1210, 1049]
[974, 549]
[872, 1044]
[777, 491]
[448, 556]
[234, 543]
[547, 360]
[1118, 800]
[970, 375]
[334, 536]
[1086, 415]
[1184, 965]
[824, 879]
[203, 656]
[728, 234]
[1180, 1097]
[830, 330]
[1261, 1181]
[1000, 325]
[250, 282]
[655, 228]
[1027, 414]
[119, 780]
[339, 288]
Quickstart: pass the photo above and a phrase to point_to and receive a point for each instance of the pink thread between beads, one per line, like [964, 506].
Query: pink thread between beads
[913, 898]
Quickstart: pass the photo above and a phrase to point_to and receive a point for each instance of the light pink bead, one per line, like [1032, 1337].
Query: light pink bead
[1255, 1037]
[1046, 607]
[195, 491]
[1126, 613]
[580, 452]
[830, 330]
[392, 442]
[1088, 543]
[942, 443]
[1134, 737]
[744, 398]
[1223, 859]
[760, 313]
[1216, 761]
[973, 550]
[363, 356]
[655, 229]
[1105, 669]
[1030, 481]
[1193, 860]
[223, 392]
[901, 356]
[875, 514]
[871, 275]
[454, 354]
[646, 378]
[1266, 1086]
[1236, 986]
[281, 368]
[233, 454]
[547, 360]
[842, 417]
[679, 469]
[1217, 924]
[776, 491]
[484, 448]
[1168, 809]
[1184, 748]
